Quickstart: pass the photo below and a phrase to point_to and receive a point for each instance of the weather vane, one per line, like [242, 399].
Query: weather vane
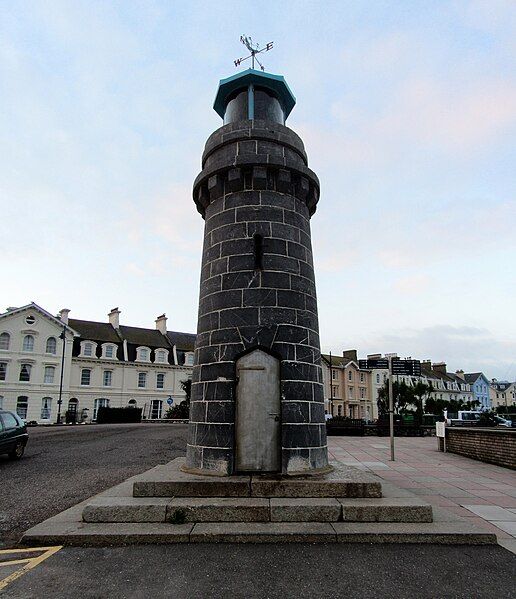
[254, 49]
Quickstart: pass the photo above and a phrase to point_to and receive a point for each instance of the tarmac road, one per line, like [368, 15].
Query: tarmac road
[271, 571]
[65, 465]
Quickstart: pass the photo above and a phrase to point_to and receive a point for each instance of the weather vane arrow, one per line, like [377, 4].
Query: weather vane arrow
[254, 49]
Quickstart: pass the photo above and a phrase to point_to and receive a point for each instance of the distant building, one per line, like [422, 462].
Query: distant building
[479, 386]
[502, 393]
[447, 385]
[347, 388]
[105, 364]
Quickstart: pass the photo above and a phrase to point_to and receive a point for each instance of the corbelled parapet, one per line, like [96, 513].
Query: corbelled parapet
[255, 155]
[257, 401]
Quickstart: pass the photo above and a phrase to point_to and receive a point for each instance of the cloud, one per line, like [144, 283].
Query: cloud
[412, 284]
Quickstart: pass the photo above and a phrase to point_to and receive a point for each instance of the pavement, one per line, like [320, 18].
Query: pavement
[483, 493]
[65, 465]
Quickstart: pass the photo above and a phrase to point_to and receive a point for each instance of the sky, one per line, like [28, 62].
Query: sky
[408, 114]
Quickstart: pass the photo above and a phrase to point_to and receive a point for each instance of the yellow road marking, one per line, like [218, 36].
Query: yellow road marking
[15, 561]
[32, 562]
[25, 550]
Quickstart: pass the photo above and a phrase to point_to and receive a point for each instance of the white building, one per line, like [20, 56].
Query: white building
[502, 393]
[105, 364]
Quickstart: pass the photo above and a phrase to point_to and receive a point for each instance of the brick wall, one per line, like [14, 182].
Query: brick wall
[487, 445]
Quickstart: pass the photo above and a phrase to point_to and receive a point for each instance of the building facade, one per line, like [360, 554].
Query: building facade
[502, 393]
[479, 384]
[347, 388]
[105, 364]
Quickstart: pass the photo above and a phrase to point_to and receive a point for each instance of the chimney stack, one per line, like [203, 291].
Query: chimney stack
[439, 367]
[426, 364]
[161, 324]
[350, 354]
[114, 318]
[460, 374]
[63, 315]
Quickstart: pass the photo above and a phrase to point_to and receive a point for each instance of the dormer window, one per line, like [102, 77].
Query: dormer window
[189, 359]
[88, 349]
[161, 356]
[143, 354]
[109, 351]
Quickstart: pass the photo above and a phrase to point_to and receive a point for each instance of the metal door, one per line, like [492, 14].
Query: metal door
[258, 410]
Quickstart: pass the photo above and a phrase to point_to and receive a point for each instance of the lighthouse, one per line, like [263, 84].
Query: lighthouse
[257, 403]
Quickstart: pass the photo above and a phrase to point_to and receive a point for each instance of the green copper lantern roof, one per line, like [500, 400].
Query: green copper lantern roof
[275, 83]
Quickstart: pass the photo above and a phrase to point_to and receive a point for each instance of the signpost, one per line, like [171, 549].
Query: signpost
[395, 366]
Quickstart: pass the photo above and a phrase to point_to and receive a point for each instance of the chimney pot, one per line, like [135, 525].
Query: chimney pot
[63, 315]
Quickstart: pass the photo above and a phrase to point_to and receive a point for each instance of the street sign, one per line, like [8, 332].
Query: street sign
[170, 401]
[407, 367]
[374, 363]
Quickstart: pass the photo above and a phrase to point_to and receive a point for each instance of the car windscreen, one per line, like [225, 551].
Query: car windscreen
[10, 421]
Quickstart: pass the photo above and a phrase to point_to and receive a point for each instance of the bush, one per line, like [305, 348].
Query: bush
[487, 419]
[118, 415]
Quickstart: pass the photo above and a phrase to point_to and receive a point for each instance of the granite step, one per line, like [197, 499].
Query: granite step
[170, 481]
[251, 509]
[102, 534]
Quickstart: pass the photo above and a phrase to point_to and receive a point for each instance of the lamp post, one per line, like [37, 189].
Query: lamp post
[60, 400]
[331, 388]
[391, 410]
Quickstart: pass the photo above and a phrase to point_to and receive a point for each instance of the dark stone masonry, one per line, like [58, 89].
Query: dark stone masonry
[257, 290]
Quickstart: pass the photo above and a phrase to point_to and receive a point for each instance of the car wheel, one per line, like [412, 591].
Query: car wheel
[18, 451]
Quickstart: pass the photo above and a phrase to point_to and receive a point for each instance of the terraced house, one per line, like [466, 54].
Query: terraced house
[347, 388]
[103, 364]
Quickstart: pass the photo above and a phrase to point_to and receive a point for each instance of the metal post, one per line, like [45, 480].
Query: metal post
[391, 410]
[331, 389]
[60, 400]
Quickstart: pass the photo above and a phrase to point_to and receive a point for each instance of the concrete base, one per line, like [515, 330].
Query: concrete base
[171, 480]
[116, 517]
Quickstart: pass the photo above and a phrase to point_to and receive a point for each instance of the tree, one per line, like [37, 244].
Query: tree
[182, 410]
[402, 393]
[404, 396]
[421, 393]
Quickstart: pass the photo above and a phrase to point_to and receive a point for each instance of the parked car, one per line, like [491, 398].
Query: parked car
[500, 421]
[464, 418]
[13, 435]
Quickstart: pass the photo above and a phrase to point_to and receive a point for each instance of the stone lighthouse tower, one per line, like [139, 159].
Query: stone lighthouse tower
[257, 396]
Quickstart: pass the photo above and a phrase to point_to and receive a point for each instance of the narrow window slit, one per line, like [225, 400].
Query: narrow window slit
[258, 251]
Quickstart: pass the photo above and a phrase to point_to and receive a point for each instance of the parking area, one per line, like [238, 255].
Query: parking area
[483, 493]
[65, 465]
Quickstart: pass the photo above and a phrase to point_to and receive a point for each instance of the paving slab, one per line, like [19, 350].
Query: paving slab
[125, 509]
[218, 509]
[170, 481]
[383, 509]
[263, 532]
[441, 533]
[343, 481]
[492, 512]
[86, 534]
[304, 509]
